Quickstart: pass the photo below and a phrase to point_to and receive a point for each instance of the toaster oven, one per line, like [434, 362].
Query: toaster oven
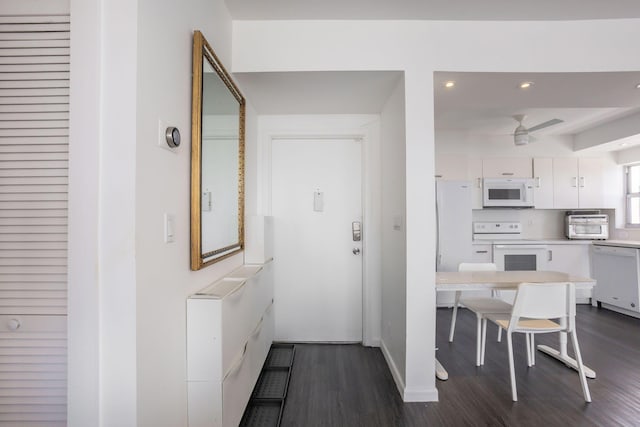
[591, 226]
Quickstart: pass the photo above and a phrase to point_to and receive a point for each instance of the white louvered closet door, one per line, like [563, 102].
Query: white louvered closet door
[34, 129]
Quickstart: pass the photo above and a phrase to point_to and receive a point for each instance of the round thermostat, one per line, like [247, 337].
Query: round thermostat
[173, 137]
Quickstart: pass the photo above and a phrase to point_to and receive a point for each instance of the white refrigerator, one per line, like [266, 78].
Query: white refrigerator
[454, 229]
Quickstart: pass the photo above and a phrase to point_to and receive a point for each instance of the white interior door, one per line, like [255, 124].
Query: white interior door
[318, 268]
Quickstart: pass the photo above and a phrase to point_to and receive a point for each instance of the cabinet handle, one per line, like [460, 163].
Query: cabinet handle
[482, 252]
[538, 182]
[582, 182]
[507, 173]
[240, 286]
[550, 255]
[236, 365]
[13, 324]
[479, 182]
[575, 181]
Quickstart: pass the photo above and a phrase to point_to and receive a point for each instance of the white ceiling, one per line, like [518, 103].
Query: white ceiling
[480, 103]
[490, 10]
[485, 102]
[326, 92]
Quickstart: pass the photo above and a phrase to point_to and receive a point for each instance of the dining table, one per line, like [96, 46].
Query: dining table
[460, 281]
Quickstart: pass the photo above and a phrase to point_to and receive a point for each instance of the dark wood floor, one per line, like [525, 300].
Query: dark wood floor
[350, 385]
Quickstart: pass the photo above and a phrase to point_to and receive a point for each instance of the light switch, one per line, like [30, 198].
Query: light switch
[318, 201]
[169, 228]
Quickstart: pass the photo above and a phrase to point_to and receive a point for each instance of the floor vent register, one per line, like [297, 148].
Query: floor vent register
[268, 397]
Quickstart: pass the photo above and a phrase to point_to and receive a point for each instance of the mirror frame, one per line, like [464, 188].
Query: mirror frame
[201, 50]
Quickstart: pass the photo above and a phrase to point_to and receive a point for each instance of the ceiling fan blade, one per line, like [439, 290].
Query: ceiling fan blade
[545, 124]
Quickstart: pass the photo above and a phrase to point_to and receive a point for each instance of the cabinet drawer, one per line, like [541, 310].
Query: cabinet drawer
[236, 388]
[29, 324]
[261, 340]
[238, 318]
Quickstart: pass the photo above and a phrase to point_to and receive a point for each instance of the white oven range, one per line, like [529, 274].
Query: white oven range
[509, 252]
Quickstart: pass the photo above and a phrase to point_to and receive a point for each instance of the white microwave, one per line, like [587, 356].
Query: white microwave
[507, 192]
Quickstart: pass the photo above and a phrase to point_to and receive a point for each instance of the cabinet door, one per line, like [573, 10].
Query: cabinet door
[572, 259]
[481, 253]
[543, 183]
[565, 183]
[590, 183]
[451, 167]
[513, 167]
[474, 171]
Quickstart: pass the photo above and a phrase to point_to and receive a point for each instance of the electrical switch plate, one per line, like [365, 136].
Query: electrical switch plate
[169, 228]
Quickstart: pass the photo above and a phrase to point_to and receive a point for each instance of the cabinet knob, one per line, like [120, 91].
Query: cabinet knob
[13, 324]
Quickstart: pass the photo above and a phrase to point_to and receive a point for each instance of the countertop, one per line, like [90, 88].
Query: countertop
[620, 243]
[535, 242]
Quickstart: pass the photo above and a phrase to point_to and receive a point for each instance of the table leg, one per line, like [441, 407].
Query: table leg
[441, 373]
[563, 356]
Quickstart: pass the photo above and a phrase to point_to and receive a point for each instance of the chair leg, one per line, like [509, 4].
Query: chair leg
[484, 340]
[526, 336]
[478, 338]
[454, 315]
[499, 334]
[533, 349]
[512, 371]
[583, 378]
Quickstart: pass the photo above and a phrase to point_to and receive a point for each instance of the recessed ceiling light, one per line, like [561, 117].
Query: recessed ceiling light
[638, 86]
[526, 85]
[450, 84]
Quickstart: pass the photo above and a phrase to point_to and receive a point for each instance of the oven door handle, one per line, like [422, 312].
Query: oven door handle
[520, 247]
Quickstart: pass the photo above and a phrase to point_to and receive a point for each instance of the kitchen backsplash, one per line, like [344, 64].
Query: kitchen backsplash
[538, 223]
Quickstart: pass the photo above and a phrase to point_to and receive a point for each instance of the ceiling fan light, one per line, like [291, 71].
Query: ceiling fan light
[521, 138]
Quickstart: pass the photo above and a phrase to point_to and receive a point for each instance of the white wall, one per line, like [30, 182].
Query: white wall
[127, 288]
[394, 240]
[420, 48]
[163, 279]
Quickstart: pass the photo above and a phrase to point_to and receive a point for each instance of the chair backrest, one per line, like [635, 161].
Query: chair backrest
[477, 266]
[546, 301]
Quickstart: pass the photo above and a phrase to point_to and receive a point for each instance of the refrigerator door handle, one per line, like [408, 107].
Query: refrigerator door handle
[438, 255]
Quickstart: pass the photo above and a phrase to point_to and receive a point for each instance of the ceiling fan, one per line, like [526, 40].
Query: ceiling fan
[521, 134]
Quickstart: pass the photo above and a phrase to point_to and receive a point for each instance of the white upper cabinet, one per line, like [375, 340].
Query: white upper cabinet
[543, 183]
[577, 183]
[451, 167]
[590, 187]
[511, 167]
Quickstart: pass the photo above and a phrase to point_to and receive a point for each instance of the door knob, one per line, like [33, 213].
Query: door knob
[356, 251]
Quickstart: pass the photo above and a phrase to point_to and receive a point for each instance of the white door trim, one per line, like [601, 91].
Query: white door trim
[368, 135]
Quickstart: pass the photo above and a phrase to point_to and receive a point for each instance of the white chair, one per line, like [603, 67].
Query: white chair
[480, 306]
[534, 307]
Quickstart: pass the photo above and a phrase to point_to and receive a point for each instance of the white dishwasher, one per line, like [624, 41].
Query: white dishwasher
[617, 273]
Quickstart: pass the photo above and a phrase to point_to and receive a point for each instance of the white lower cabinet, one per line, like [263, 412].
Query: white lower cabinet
[572, 259]
[229, 333]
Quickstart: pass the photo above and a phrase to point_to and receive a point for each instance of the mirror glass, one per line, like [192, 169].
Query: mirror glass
[217, 160]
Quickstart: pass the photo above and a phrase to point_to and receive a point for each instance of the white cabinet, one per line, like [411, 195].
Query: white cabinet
[229, 332]
[571, 259]
[577, 183]
[451, 167]
[543, 183]
[474, 174]
[512, 167]
[481, 253]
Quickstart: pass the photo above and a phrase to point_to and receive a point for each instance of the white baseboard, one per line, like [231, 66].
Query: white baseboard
[420, 395]
[397, 377]
[408, 395]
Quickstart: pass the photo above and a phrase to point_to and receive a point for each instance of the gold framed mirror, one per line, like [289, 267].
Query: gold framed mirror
[217, 159]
